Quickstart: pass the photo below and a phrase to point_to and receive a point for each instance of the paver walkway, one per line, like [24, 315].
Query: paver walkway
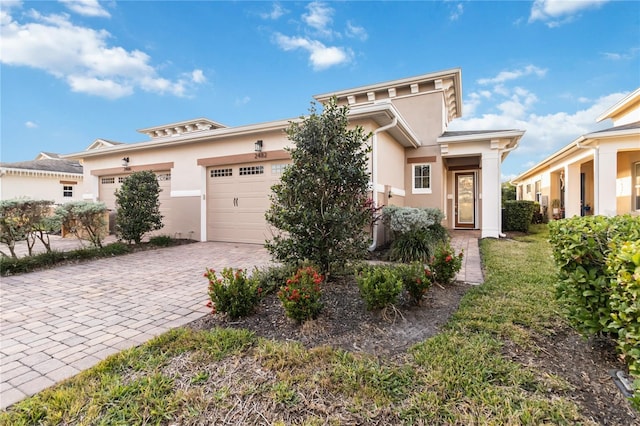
[58, 322]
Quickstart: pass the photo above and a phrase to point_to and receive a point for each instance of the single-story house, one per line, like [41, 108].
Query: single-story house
[216, 179]
[47, 177]
[597, 173]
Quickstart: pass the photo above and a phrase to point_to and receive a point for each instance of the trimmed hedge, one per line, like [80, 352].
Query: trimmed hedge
[518, 215]
[599, 279]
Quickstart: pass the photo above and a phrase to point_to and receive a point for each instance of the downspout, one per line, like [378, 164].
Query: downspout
[500, 234]
[596, 174]
[374, 174]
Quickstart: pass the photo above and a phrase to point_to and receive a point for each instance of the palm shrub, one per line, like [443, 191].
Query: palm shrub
[138, 206]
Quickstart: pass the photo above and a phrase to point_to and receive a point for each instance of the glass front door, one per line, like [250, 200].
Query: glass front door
[465, 208]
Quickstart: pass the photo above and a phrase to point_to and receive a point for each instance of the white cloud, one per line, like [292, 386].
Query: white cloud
[355, 31]
[320, 56]
[83, 58]
[457, 12]
[319, 18]
[242, 101]
[557, 12]
[505, 76]
[31, 125]
[276, 12]
[86, 7]
[620, 56]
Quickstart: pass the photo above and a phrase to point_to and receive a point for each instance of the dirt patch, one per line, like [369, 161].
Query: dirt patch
[585, 364]
[345, 322]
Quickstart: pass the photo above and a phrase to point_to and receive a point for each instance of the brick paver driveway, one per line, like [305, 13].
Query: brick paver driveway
[57, 322]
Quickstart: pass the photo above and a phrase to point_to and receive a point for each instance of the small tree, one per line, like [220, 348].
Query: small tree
[84, 219]
[320, 205]
[138, 206]
[12, 224]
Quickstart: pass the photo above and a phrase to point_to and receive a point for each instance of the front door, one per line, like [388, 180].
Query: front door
[465, 201]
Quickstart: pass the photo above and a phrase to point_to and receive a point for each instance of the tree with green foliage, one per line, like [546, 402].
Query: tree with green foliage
[138, 206]
[508, 192]
[320, 207]
[27, 220]
[85, 220]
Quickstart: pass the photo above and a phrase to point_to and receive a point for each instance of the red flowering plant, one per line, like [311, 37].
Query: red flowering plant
[233, 292]
[416, 280]
[300, 296]
[445, 264]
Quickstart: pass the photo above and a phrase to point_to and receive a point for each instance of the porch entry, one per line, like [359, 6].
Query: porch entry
[465, 200]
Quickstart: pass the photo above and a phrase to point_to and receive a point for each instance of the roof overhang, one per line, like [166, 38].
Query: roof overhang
[504, 141]
[384, 114]
[621, 106]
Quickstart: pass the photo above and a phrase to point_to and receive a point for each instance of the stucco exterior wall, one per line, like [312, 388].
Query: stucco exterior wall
[424, 112]
[46, 187]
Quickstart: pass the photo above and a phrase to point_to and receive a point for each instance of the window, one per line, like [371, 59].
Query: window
[277, 169]
[121, 179]
[221, 172]
[538, 185]
[422, 179]
[528, 188]
[251, 170]
[107, 180]
[67, 191]
[164, 177]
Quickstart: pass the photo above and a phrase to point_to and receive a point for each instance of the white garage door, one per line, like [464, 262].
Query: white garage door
[109, 185]
[237, 199]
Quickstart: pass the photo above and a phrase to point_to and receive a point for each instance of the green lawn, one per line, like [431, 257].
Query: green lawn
[228, 376]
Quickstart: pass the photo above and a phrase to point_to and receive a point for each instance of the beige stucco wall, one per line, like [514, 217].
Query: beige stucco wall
[39, 187]
[624, 183]
[424, 112]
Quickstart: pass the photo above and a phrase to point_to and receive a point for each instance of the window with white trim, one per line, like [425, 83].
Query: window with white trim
[67, 191]
[538, 186]
[421, 177]
[107, 180]
[278, 169]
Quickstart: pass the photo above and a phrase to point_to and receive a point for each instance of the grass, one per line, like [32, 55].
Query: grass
[231, 376]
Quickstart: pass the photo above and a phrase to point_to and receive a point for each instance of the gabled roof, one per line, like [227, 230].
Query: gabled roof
[102, 143]
[47, 155]
[46, 165]
[622, 107]
[448, 81]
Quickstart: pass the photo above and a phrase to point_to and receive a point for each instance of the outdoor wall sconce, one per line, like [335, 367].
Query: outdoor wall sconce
[258, 145]
[125, 161]
[389, 195]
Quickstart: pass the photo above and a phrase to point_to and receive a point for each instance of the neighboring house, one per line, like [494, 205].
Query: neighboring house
[216, 180]
[597, 173]
[48, 177]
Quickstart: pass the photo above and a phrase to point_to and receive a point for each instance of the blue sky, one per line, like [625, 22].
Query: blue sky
[75, 71]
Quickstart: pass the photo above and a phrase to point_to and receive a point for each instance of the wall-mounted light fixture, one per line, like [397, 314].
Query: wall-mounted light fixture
[125, 162]
[389, 195]
[258, 145]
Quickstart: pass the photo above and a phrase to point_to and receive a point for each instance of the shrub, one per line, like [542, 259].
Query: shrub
[518, 215]
[161, 241]
[271, 278]
[115, 249]
[445, 264]
[84, 219]
[300, 296]
[138, 206]
[233, 293]
[623, 263]
[416, 280]
[25, 219]
[379, 286]
[416, 232]
[580, 249]
[320, 205]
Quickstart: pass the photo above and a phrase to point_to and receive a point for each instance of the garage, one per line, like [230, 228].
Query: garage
[109, 184]
[237, 199]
